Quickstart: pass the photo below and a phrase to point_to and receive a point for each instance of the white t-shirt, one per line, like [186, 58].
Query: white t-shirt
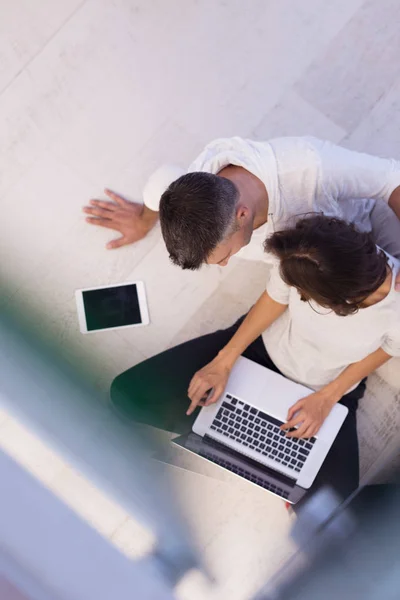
[301, 175]
[312, 345]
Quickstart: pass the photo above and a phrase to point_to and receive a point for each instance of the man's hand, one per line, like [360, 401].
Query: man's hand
[309, 413]
[131, 219]
[208, 384]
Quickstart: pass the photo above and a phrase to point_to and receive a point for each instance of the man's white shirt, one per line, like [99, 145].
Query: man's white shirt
[302, 175]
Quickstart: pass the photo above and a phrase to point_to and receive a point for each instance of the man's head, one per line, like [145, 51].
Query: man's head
[203, 220]
[330, 262]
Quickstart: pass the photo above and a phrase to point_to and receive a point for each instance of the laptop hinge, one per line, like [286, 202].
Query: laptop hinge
[251, 461]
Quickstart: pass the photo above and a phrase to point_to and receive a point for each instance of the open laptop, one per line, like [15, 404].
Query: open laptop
[241, 432]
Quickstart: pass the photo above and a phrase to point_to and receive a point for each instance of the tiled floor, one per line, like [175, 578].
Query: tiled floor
[96, 93]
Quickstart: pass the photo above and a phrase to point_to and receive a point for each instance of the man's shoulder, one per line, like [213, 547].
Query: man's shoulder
[295, 155]
[298, 142]
[283, 139]
[158, 182]
[292, 153]
[286, 142]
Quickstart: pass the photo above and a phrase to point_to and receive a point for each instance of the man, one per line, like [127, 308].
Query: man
[238, 192]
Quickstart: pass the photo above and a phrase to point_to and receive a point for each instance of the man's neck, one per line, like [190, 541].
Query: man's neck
[252, 192]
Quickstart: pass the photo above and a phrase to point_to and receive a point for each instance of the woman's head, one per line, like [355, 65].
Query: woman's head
[330, 262]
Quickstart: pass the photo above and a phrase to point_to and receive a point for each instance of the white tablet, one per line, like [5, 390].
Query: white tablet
[114, 307]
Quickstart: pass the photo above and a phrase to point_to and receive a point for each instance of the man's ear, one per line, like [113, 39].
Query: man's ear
[242, 214]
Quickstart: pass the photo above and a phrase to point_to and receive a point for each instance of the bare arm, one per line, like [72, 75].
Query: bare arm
[309, 413]
[260, 317]
[215, 375]
[394, 202]
[356, 372]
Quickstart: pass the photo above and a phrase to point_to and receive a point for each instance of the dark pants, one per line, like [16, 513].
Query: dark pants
[155, 392]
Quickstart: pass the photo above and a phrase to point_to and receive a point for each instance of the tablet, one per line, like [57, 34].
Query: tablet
[113, 307]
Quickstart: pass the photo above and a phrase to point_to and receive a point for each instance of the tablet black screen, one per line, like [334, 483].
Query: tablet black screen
[112, 307]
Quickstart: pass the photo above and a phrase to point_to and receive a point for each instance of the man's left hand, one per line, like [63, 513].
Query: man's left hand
[309, 413]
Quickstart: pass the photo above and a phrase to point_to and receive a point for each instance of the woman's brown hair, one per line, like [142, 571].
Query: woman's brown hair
[329, 261]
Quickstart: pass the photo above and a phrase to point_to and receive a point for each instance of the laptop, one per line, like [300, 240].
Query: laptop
[241, 432]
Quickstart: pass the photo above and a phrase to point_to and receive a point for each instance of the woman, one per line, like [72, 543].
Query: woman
[328, 318]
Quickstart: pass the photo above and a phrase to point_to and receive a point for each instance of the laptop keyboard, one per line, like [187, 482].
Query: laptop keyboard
[245, 474]
[258, 431]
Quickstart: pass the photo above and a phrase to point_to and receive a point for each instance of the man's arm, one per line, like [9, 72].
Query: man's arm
[347, 174]
[394, 202]
[310, 412]
[132, 219]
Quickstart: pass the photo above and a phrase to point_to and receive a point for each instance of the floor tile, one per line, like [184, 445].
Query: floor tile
[265, 53]
[347, 80]
[26, 28]
[293, 116]
[21, 140]
[170, 144]
[378, 132]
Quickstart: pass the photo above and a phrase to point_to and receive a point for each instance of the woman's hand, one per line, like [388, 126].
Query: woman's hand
[309, 413]
[211, 378]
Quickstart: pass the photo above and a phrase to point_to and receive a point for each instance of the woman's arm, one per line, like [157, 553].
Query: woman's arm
[310, 412]
[260, 317]
[355, 372]
[215, 375]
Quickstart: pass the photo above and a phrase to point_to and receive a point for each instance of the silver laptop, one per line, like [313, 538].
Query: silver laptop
[241, 432]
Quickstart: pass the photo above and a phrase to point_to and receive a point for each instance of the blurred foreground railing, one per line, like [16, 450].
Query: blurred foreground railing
[55, 402]
[347, 550]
